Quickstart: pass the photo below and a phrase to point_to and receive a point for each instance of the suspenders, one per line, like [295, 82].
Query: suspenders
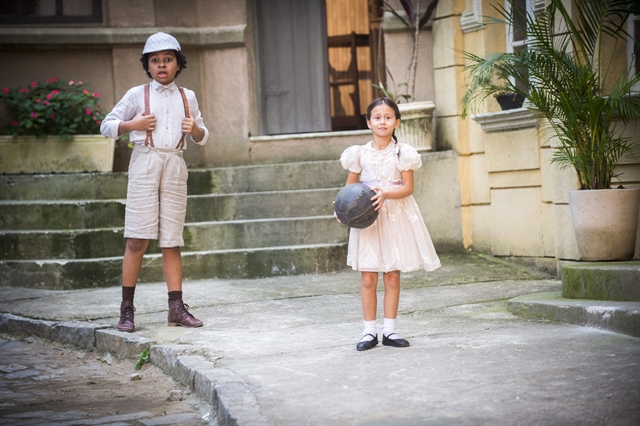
[149, 138]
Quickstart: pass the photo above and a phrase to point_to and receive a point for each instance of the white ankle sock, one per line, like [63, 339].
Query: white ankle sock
[390, 328]
[371, 328]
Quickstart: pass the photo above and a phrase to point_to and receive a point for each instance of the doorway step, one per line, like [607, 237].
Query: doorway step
[65, 231]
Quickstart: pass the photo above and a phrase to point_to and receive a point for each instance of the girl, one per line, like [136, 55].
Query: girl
[398, 241]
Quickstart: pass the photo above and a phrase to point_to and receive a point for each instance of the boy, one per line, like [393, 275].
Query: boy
[157, 117]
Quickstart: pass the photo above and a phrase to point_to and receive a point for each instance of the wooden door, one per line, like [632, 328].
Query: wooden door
[292, 64]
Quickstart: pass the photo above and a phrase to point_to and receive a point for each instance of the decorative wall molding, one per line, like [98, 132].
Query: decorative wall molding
[48, 38]
[471, 19]
[513, 119]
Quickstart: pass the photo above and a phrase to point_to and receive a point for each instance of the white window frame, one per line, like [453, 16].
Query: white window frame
[531, 7]
[631, 59]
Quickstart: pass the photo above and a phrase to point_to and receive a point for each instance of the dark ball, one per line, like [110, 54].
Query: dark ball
[354, 207]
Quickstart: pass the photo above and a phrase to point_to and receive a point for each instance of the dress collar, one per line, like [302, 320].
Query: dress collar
[389, 147]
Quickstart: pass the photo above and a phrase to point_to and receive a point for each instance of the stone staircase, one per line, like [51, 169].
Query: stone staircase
[603, 295]
[65, 231]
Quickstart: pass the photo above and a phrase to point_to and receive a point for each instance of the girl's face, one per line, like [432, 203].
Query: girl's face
[383, 121]
[163, 66]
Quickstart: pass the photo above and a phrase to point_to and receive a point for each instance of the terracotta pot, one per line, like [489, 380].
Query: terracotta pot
[82, 153]
[416, 126]
[605, 222]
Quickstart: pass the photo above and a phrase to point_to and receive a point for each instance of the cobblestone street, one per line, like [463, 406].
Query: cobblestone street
[44, 383]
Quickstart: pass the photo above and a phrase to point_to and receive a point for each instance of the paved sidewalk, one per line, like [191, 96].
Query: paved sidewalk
[281, 351]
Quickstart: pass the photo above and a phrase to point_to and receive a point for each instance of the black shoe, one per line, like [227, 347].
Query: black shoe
[398, 343]
[365, 345]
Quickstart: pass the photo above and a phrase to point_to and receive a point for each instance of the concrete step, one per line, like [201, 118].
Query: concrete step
[619, 317]
[616, 281]
[223, 180]
[109, 242]
[66, 230]
[92, 214]
[239, 263]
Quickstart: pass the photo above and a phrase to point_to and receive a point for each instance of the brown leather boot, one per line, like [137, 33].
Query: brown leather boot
[179, 315]
[126, 316]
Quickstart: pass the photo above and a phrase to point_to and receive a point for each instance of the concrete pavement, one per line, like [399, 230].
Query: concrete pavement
[282, 351]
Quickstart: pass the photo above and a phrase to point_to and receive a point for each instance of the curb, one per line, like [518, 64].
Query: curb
[231, 399]
[619, 317]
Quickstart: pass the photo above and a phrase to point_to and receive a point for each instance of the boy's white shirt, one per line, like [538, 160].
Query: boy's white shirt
[165, 102]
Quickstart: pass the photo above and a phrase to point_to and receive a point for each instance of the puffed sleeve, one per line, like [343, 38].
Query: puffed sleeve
[350, 159]
[409, 158]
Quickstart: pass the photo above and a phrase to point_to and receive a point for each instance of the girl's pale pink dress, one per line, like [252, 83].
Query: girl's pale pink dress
[398, 240]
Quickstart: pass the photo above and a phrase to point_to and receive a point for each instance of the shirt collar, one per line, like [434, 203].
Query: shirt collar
[161, 87]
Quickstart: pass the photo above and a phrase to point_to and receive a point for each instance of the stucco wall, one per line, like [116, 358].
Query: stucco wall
[214, 38]
[514, 202]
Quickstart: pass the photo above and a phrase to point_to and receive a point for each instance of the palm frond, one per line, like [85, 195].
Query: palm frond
[561, 75]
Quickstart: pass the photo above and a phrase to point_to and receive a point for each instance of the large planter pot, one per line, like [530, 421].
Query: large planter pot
[82, 153]
[416, 127]
[605, 222]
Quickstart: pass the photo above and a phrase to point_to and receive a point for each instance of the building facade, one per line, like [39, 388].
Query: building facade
[289, 80]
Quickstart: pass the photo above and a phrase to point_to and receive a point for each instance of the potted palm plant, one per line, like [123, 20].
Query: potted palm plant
[565, 74]
[53, 126]
[416, 127]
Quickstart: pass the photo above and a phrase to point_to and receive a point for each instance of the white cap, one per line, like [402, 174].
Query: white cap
[161, 41]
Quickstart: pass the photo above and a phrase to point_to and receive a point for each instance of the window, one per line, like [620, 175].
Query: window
[633, 47]
[516, 35]
[50, 11]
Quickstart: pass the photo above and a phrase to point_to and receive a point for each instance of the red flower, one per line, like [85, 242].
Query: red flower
[52, 80]
[5, 90]
[21, 90]
[86, 92]
[95, 95]
[52, 116]
[34, 115]
[88, 112]
[15, 123]
[55, 91]
[49, 96]
[34, 84]
[71, 83]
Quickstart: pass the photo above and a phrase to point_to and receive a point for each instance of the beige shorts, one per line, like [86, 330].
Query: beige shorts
[156, 196]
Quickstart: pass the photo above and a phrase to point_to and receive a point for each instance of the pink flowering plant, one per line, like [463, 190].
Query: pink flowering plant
[52, 108]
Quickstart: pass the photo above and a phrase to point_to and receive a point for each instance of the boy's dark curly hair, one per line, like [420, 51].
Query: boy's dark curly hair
[182, 61]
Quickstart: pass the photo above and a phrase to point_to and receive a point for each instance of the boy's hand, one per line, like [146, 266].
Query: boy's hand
[189, 126]
[143, 122]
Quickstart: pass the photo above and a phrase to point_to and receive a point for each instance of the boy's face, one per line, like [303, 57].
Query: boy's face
[163, 66]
